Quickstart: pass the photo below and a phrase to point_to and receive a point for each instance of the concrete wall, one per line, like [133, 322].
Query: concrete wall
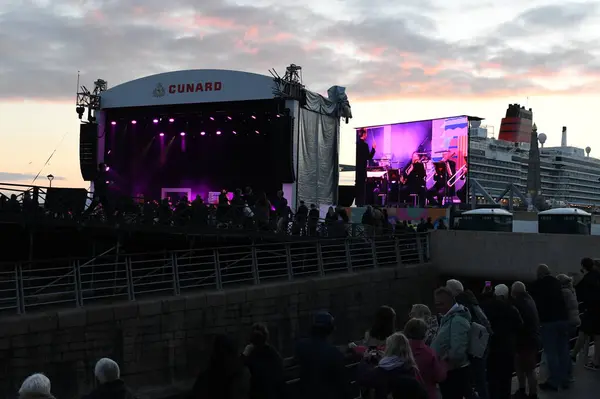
[508, 255]
[166, 341]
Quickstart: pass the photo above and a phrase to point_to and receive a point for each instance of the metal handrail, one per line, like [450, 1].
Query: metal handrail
[32, 285]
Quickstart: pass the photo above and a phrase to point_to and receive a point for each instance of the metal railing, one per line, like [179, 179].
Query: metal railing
[27, 286]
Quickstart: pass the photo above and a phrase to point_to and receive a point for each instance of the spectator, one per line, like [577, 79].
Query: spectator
[571, 303]
[226, 377]
[506, 323]
[432, 370]
[478, 368]
[265, 365]
[111, 386]
[588, 292]
[384, 325]
[323, 373]
[36, 386]
[420, 311]
[527, 343]
[451, 344]
[396, 372]
[262, 210]
[313, 220]
[547, 294]
[331, 215]
[301, 218]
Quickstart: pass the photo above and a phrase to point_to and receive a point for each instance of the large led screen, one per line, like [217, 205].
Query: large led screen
[421, 163]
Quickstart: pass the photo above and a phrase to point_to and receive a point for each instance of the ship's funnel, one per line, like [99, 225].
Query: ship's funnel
[563, 141]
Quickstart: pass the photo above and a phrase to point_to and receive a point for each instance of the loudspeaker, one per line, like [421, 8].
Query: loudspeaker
[88, 150]
[282, 146]
[346, 195]
[63, 200]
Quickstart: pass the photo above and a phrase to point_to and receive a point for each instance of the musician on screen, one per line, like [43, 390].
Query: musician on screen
[363, 155]
[413, 179]
[443, 186]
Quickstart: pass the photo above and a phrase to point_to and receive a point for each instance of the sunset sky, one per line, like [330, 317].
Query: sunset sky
[400, 61]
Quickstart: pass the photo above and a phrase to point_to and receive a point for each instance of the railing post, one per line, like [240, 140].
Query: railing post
[218, 281]
[420, 248]
[77, 278]
[398, 252]
[255, 273]
[320, 259]
[348, 255]
[374, 252]
[19, 288]
[175, 269]
[130, 287]
[288, 261]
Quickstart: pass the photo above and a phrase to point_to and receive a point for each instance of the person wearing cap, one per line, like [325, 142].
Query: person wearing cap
[506, 323]
[323, 373]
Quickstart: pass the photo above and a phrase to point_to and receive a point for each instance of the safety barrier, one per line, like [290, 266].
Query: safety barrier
[27, 286]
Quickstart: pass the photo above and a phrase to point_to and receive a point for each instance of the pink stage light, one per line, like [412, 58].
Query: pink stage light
[218, 132]
[202, 133]
[212, 119]
[234, 132]
[182, 134]
[107, 168]
[113, 123]
[253, 117]
[133, 122]
[171, 120]
[161, 134]
[155, 121]
[257, 132]
[279, 115]
[229, 117]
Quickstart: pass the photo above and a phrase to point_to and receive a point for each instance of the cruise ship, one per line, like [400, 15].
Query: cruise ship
[569, 176]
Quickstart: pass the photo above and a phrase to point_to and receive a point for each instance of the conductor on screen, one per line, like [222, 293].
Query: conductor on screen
[413, 179]
[363, 156]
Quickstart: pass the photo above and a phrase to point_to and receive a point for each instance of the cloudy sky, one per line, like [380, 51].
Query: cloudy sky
[411, 60]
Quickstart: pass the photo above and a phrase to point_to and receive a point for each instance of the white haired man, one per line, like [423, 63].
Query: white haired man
[467, 299]
[111, 386]
[36, 386]
[506, 323]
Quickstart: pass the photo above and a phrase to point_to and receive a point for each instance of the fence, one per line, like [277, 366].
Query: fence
[29, 286]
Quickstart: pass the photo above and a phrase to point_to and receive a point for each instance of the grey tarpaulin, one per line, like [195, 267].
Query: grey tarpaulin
[318, 144]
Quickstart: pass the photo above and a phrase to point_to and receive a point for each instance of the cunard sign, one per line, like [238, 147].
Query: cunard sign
[196, 87]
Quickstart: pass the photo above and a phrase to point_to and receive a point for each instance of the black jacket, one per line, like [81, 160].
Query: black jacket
[506, 323]
[549, 300]
[266, 370]
[588, 293]
[469, 301]
[529, 333]
[111, 390]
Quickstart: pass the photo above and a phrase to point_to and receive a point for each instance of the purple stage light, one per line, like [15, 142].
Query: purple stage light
[107, 168]
[257, 132]
[171, 120]
[161, 134]
[212, 119]
[109, 151]
[182, 134]
[155, 121]
[234, 132]
[253, 117]
[202, 133]
[113, 123]
[229, 117]
[218, 132]
[133, 122]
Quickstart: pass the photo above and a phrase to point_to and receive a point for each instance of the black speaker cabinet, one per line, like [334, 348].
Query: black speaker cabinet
[88, 150]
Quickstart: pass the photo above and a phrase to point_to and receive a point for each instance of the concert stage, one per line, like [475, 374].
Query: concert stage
[198, 132]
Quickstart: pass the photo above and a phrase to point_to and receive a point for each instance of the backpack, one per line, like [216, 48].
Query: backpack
[478, 340]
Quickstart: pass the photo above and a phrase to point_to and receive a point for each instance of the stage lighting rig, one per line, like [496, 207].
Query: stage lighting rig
[89, 100]
[290, 86]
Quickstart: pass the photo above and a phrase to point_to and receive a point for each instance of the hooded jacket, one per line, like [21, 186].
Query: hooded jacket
[452, 340]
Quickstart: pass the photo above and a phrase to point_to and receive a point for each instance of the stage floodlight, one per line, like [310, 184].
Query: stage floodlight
[253, 117]
[155, 121]
[212, 119]
[234, 132]
[182, 134]
[257, 132]
[171, 120]
[107, 168]
[279, 115]
[202, 133]
[229, 117]
[218, 132]
[161, 134]
[133, 122]
[113, 123]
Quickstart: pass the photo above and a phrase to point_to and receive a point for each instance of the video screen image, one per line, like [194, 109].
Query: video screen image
[418, 164]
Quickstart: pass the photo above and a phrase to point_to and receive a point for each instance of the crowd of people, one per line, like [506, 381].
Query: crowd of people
[468, 348]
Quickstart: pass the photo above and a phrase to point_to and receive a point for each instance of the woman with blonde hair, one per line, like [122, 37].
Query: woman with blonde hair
[420, 311]
[397, 371]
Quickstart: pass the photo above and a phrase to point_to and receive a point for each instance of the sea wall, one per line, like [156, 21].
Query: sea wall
[165, 341]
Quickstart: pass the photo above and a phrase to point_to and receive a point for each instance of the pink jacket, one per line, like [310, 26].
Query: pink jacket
[431, 368]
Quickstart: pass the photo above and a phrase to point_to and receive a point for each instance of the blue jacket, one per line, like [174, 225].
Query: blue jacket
[452, 340]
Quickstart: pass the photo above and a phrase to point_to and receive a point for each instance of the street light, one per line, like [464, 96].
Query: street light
[50, 178]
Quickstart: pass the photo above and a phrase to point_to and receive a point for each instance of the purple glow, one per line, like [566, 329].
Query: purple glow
[253, 117]
[257, 132]
[234, 132]
[133, 122]
[212, 119]
[171, 120]
[109, 151]
[202, 133]
[218, 132]
[107, 168]
[161, 134]
[182, 134]
[113, 123]
[155, 121]
[229, 117]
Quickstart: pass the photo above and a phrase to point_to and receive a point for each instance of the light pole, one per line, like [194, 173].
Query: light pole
[50, 178]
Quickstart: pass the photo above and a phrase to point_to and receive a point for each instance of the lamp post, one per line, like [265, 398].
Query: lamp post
[50, 178]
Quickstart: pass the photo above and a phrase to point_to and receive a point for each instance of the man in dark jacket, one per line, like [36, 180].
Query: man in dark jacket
[323, 373]
[528, 341]
[588, 293]
[467, 299]
[506, 322]
[546, 291]
[111, 386]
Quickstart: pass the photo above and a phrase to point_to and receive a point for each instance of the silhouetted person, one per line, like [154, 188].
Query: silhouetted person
[363, 156]
[265, 365]
[199, 212]
[101, 193]
[313, 220]
[111, 386]
[249, 197]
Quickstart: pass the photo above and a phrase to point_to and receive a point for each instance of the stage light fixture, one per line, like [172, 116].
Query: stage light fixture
[161, 134]
[182, 134]
[257, 132]
[234, 132]
[113, 123]
[279, 115]
[229, 117]
[133, 122]
[155, 121]
[218, 132]
[202, 133]
[253, 117]
[107, 168]
[212, 119]
[171, 120]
